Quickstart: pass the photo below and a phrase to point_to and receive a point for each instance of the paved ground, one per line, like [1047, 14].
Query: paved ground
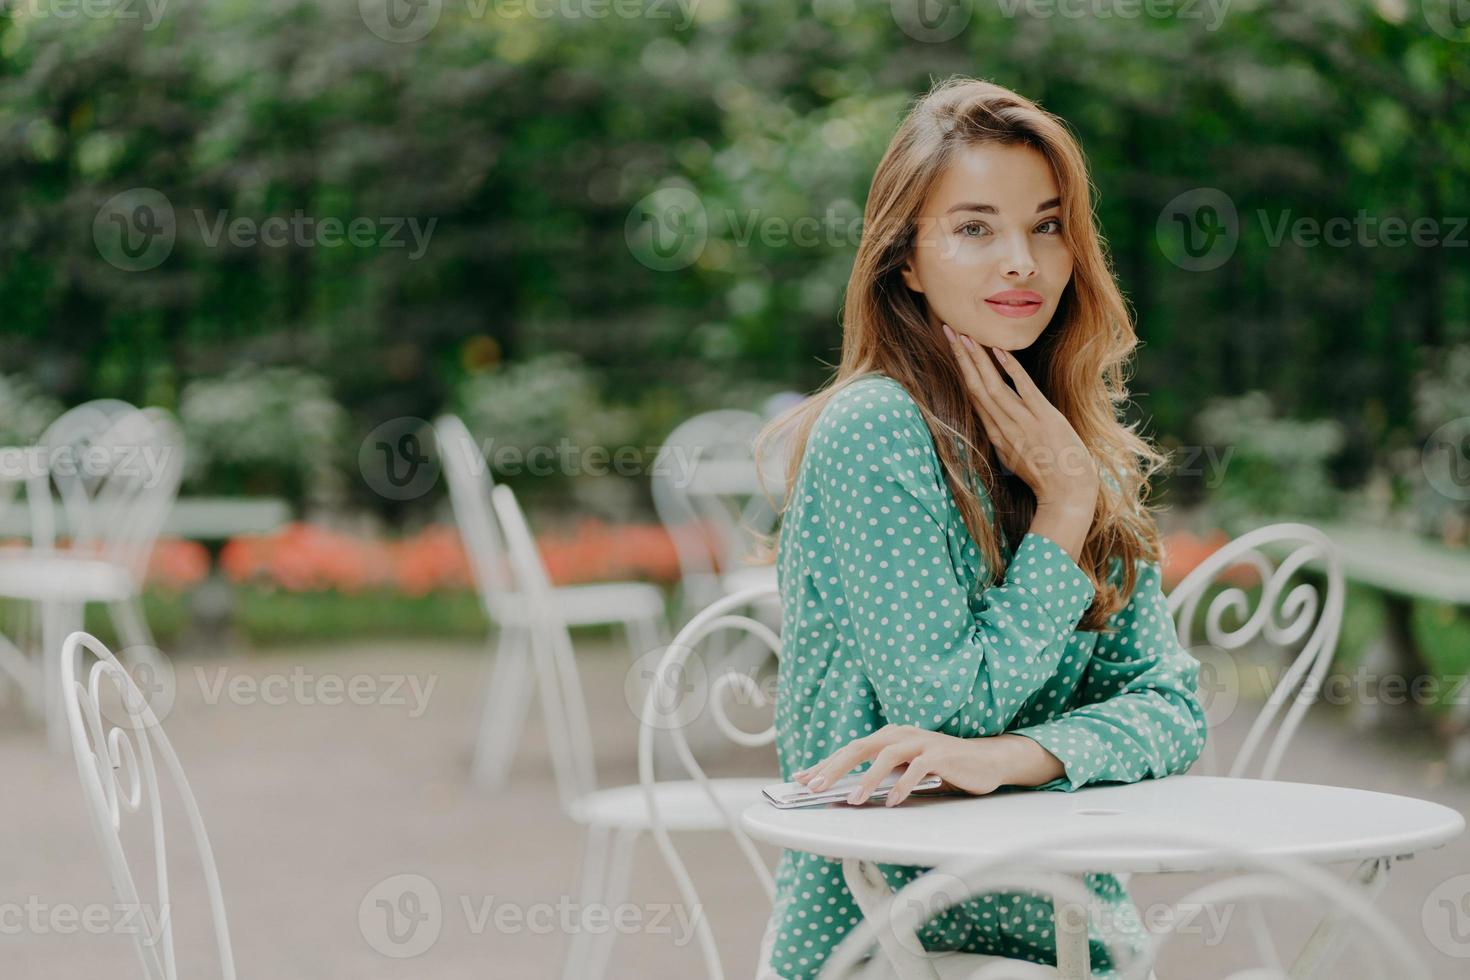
[313, 805]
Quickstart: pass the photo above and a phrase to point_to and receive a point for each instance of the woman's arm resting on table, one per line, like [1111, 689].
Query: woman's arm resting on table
[1139, 717]
[1139, 714]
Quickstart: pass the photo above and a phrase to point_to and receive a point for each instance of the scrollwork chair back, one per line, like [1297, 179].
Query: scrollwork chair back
[680, 690]
[118, 744]
[1288, 612]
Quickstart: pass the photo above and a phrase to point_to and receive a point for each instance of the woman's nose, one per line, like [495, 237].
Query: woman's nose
[1019, 262]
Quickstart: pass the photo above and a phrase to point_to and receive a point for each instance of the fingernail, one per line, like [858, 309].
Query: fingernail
[1002, 354]
[967, 341]
[948, 333]
[818, 782]
[854, 797]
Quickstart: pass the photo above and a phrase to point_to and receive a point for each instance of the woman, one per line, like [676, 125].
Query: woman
[968, 568]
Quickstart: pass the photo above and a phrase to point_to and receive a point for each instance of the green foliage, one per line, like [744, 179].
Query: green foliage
[1271, 465]
[524, 145]
[548, 400]
[273, 431]
[24, 411]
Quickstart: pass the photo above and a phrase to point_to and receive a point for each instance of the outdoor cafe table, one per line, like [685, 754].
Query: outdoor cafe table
[1268, 818]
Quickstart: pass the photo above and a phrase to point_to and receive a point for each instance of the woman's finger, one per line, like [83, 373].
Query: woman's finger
[841, 762]
[912, 776]
[891, 756]
[1030, 393]
[988, 410]
[1005, 399]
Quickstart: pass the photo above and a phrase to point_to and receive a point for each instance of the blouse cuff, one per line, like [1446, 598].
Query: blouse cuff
[1081, 753]
[1043, 568]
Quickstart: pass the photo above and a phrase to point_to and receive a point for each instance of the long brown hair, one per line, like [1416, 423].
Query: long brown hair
[1078, 362]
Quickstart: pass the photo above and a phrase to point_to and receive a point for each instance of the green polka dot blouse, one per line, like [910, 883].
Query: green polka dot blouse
[885, 619]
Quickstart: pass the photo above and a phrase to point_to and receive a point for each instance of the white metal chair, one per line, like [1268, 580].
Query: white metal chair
[118, 743]
[1283, 615]
[637, 606]
[677, 696]
[614, 818]
[117, 470]
[894, 923]
[709, 493]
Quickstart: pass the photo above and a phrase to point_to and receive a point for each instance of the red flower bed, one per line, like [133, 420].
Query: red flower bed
[177, 564]
[1184, 552]
[306, 558]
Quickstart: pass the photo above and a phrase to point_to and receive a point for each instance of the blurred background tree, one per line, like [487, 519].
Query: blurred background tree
[533, 143]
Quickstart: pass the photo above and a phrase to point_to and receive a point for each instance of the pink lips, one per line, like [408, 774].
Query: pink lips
[1015, 302]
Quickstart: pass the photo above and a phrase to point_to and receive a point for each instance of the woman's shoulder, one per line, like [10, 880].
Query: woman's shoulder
[871, 428]
[871, 403]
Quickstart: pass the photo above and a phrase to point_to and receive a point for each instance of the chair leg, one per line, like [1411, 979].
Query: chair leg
[58, 621]
[137, 637]
[640, 640]
[589, 891]
[507, 699]
[644, 634]
[18, 669]
[614, 894]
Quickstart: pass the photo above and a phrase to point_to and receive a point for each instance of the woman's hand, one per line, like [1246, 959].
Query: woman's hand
[973, 765]
[1031, 436]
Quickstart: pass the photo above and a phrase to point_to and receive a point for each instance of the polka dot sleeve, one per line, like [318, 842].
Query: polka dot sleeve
[1138, 712]
[938, 653]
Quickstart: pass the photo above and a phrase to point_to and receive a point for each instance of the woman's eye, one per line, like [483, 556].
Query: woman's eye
[973, 229]
[1051, 226]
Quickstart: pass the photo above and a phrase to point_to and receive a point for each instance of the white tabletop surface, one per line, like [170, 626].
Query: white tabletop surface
[1320, 824]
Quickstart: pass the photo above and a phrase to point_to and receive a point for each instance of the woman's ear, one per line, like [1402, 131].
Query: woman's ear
[910, 277]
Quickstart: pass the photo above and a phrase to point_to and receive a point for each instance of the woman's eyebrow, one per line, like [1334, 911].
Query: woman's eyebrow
[990, 208]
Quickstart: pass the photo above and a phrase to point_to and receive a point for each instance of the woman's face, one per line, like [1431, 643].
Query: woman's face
[989, 255]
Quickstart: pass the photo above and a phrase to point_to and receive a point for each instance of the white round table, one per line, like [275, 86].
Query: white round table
[1319, 824]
